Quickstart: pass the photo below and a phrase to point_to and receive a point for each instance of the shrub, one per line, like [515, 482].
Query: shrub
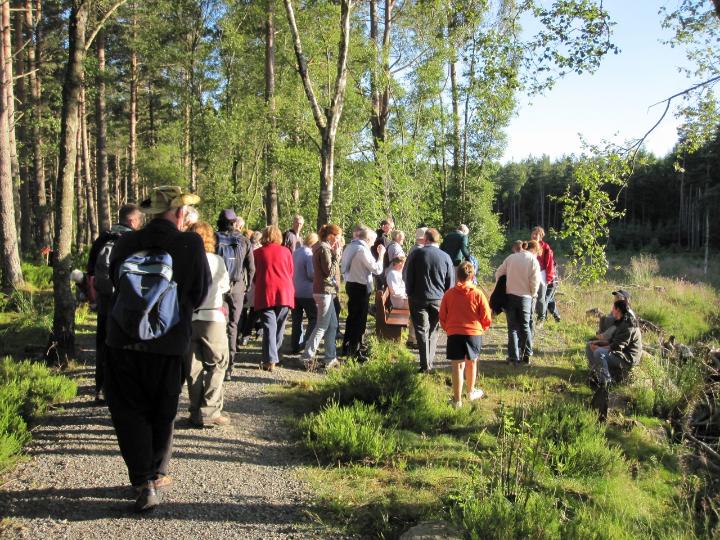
[37, 275]
[643, 269]
[26, 390]
[353, 433]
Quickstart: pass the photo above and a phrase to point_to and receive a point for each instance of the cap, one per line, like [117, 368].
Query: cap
[623, 293]
[229, 215]
[420, 233]
[164, 198]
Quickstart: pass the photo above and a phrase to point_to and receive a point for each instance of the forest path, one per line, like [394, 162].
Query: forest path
[236, 481]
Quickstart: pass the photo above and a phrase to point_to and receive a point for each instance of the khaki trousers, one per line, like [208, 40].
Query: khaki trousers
[205, 368]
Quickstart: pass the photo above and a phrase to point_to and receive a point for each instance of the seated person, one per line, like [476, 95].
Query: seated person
[607, 322]
[394, 278]
[621, 352]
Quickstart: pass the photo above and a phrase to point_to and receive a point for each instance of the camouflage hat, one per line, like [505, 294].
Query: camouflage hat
[164, 198]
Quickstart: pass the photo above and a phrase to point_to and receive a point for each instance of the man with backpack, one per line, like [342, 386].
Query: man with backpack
[98, 271]
[161, 275]
[237, 253]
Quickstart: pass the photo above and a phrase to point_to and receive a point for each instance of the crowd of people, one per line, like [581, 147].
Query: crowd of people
[178, 299]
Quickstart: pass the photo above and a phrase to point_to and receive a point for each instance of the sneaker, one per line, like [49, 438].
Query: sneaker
[477, 393]
[454, 404]
[332, 364]
[148, 498]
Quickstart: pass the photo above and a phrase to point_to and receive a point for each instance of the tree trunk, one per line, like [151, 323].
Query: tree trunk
[89, 192]
[11, 271]
[103, 175]
[33, 48]
[26, 221]
[327, 122]
[63, 332]
[80, 212]
[133, 194]
[457, 191]
[10, 103]
[271, 196]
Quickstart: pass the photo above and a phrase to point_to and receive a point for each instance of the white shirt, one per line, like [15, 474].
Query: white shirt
[210, 308]
[358, 264]
[395, 283]
[523, 274]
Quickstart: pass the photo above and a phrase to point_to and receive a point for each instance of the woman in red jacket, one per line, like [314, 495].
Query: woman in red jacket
[464, 315]
[546, 293]
[274, 292]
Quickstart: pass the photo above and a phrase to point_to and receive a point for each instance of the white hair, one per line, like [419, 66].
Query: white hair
[464, 229]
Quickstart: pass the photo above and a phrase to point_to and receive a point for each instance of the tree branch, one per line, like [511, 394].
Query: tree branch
[341, 76]
[302, 68]
[102, 22]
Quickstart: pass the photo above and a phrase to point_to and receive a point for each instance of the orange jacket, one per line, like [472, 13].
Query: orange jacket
[464, 310]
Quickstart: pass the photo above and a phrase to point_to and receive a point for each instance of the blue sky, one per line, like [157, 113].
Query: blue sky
[613, 103]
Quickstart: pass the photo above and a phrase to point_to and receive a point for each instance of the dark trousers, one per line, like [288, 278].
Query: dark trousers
[103, 312]
[234, 301]
[356, 322]
[299, 335]
[426, 321]
[518, 311]
[143, 390]
[273, 324]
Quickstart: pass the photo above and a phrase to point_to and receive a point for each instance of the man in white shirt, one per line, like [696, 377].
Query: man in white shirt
[358, 266]
[522, 272]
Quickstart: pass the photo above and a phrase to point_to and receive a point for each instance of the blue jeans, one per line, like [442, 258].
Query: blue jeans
[273, 324]
[326, 326]
[601, 360]
[518, 311]
[546, 301]
[299, 334]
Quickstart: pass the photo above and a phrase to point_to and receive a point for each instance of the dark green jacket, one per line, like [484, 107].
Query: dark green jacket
[455, 244]
[626, 340]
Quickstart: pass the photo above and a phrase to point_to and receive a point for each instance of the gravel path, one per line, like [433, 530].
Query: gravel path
[237, 481]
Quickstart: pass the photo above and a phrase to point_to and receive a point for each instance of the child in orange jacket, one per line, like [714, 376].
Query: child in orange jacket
[464, 315]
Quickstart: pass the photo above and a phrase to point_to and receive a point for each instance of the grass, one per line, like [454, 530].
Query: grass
[26, 391]
[530, 460]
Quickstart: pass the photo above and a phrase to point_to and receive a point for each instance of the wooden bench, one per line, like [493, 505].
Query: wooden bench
[389, 322]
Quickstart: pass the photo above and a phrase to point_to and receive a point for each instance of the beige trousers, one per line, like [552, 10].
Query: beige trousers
[205, 367]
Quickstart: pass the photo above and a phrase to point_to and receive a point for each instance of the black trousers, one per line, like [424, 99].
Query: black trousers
[234, 300]
[143, 390]
[103, 312]
[356, 322]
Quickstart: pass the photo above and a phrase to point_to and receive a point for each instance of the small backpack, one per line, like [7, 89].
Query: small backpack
[146, 306]
[103, 284]
[228, 247]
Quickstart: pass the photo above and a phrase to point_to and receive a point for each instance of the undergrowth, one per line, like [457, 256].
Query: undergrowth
[26, 391]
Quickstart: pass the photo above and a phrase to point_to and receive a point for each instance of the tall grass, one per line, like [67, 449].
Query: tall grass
[26, 391]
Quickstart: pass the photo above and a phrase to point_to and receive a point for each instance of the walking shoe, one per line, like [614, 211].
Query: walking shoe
[267, 366]
[557, 318]
[526, 360]
[228, 375]
[219, 420]
[454, 404]
[162, 481]
[148, 498]
[99, 398]
[332, 364]
[477, 393]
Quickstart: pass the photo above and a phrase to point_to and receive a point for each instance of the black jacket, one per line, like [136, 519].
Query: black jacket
[191, 272]
[498, 298]
[627, 340]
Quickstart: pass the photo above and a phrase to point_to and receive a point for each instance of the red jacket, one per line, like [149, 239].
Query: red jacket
[273, 277]
[464, 310]
[547, 261]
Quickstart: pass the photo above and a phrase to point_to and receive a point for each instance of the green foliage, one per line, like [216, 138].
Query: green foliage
[664, 386]
[26, 391]
[588, 209]
[348, 433]
[39, 276]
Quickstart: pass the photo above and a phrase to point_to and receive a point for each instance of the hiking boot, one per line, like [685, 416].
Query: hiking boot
[148, 498]
[477, 393]
[332, 364]
[600, 401]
